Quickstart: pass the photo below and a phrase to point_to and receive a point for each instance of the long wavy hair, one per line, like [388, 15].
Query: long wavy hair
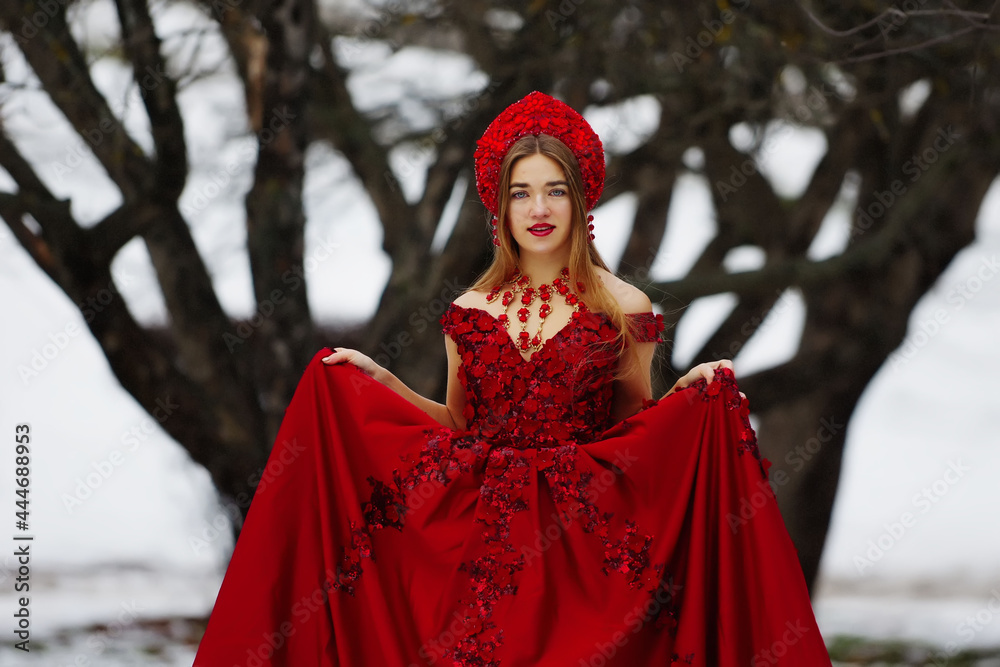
[583, 259]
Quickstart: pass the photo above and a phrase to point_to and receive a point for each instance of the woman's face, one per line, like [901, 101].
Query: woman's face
[540, 211]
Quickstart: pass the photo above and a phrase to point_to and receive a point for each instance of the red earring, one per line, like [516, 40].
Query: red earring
[590, 226]
[493, 225]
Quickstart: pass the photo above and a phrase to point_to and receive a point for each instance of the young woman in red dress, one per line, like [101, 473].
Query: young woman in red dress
[549, 512]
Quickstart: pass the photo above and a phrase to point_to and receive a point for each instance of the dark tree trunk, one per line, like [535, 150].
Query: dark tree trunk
[282, 324]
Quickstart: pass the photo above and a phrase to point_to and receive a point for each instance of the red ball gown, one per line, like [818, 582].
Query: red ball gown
[541, 534]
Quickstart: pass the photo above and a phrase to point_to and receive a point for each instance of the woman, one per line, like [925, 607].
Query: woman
[549, 512]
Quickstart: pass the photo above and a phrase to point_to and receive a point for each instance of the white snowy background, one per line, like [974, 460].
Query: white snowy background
[128, 529]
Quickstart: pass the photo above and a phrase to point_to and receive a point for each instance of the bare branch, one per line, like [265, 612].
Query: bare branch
[850, 31]
[158, 93]
[13, 208]
[59, 230]
[334, 118]
[801, 272]
[909, 48]
[895, 14]
[805, 220]
[119, 227]
[57, 61]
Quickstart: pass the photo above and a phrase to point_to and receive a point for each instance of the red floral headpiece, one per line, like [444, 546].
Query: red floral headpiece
[539, 113]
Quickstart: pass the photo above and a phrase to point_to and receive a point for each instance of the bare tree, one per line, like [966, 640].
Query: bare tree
[919, 176]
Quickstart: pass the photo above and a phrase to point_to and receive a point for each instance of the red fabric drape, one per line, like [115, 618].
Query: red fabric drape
[731, 592]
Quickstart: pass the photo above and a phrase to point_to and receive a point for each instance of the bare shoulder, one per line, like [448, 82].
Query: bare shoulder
[471, 299]
[629, 297]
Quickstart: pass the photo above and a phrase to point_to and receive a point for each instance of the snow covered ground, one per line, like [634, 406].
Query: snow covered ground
[128, 531]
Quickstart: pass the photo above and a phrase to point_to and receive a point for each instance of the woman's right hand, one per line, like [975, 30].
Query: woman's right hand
[364, 363]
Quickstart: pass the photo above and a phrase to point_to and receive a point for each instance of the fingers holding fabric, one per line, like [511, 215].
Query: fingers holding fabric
[342, 355]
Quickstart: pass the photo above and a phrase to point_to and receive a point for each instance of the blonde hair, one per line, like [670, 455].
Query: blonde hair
[583, 259]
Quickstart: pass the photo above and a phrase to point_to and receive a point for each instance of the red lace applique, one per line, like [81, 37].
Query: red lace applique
[524, 416]
[647, 327]
[490, 577]
[665, 613]
[349, 570]
[386, 508]
[725, 386]
[574, 493]
[445, 455]
[561, 394]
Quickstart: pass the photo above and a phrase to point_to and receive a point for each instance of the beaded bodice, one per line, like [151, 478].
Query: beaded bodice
[561, 394]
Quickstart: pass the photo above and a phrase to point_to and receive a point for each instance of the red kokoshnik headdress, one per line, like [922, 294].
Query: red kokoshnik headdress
[538, 113]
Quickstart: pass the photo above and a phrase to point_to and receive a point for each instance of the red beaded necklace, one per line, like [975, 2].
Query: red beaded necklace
[521, 284]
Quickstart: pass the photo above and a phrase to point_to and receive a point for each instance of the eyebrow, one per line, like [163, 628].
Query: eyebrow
[548, 185]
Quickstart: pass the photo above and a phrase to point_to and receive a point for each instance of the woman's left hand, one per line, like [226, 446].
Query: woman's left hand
[706, 371]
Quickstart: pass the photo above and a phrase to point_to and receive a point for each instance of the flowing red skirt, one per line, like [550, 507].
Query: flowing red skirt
[735, 594]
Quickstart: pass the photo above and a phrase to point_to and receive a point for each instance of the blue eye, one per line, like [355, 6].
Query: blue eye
[520, 194]
[557, 193]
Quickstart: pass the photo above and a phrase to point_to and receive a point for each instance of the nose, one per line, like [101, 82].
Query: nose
[539, 209]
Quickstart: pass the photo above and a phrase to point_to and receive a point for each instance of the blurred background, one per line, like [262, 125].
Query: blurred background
[198, 195]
